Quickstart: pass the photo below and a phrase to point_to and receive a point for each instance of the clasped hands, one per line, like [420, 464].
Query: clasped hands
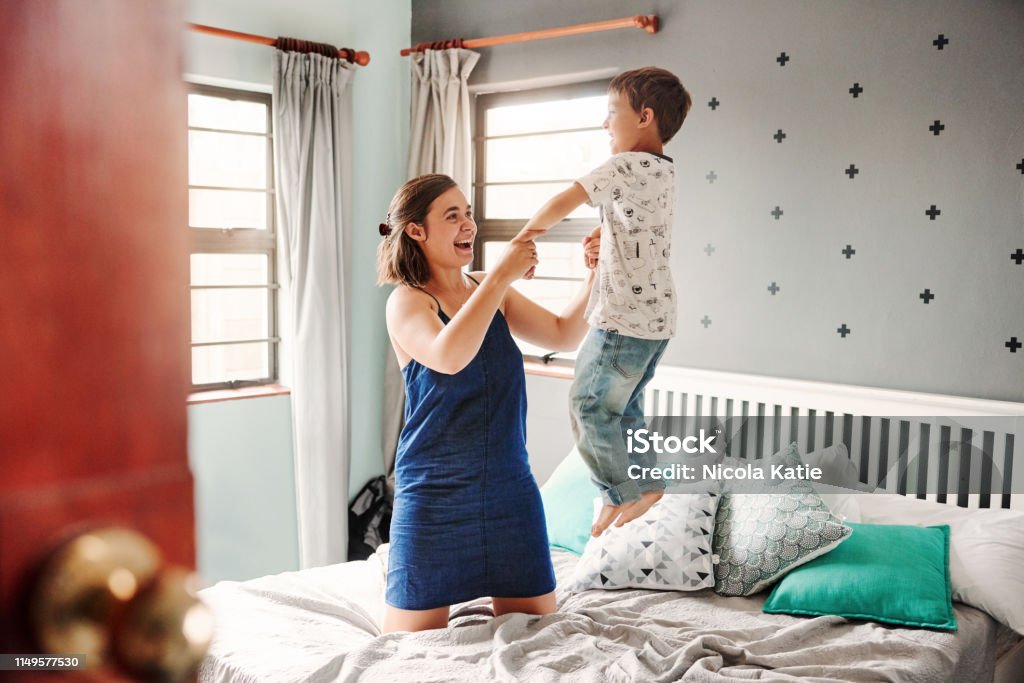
[524, 241]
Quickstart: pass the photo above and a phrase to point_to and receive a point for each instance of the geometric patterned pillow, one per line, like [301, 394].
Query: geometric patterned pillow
[668, 548]
[761, 536]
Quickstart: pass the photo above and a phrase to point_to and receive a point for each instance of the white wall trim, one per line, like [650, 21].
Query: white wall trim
[846, 398]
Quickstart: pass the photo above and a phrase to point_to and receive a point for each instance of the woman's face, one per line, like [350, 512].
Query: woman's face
[450, 230]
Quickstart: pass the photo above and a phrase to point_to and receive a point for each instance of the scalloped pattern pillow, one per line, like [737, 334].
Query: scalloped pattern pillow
[760, 537]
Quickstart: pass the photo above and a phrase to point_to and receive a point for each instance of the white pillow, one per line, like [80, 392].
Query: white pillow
[668, 548]
[986, 550]
[840, 502]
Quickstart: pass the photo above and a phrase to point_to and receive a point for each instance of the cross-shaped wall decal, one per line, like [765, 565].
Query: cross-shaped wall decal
[773, 288]
[932, 213]
[777, 212]
[941, 42]
[849, 252]
[926, 295]
[1013, 345]
[937, 127]
[1017, 256]
[705, 321]
[782, 59]
[779, 137]
[713, 103]
[1020, 166]
[852, 171]
[856, 90]
[712, 177]
[710, 249]
[844, 330]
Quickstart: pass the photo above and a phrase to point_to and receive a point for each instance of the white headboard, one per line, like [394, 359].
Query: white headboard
[906, 442]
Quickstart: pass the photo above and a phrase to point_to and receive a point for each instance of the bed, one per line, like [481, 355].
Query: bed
[322, 624]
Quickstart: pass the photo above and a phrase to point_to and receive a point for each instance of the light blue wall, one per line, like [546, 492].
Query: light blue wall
[380, 94]
[240, 453]
[381, 114]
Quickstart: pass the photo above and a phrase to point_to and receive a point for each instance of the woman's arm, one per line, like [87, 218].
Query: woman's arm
[533, 323]
[414, 326]
[537, 325]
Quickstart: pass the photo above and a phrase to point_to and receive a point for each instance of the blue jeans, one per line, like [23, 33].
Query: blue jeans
[606, 399]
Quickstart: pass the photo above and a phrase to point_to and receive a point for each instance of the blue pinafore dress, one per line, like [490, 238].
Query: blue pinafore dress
[468, 520]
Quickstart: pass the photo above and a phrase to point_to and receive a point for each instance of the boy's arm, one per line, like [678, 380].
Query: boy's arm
[557, 208]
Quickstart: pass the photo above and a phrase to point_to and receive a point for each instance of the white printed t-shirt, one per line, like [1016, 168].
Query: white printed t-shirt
[635, 192]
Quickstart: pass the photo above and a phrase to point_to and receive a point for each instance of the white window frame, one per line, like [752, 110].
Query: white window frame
[242, 241]
[502, 230]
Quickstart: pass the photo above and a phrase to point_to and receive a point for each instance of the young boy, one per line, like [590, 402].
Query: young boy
[632, 309]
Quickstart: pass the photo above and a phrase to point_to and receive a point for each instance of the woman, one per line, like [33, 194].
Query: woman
[468, 520]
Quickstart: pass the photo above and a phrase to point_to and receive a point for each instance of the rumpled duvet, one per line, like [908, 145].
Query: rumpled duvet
[323, 625]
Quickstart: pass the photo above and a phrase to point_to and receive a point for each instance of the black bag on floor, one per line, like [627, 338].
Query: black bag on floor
[369, 519]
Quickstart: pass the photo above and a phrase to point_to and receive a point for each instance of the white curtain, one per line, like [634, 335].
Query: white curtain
[440, 142]
[312, 149]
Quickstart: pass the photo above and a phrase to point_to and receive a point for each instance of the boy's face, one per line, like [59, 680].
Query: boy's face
[622, 124]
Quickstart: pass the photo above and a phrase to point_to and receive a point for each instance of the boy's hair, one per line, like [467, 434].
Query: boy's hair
[658, 89]
[400, 259]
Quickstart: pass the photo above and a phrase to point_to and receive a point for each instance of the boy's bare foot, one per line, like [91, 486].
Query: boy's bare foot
[620, 514]
[639, 507]
[605, 518]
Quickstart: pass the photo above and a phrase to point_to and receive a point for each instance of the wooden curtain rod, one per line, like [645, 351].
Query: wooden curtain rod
[648, 22]
[361, 58]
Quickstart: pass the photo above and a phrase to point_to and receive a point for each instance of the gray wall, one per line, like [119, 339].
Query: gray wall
[728, 50]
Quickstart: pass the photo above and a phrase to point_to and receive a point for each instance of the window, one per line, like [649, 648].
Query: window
[529, 146]
[232, 238]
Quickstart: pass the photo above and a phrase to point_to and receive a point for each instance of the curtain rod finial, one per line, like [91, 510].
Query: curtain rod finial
[648, 22]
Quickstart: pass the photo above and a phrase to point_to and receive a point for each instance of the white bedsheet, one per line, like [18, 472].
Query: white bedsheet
[295, 626]
[323, 625]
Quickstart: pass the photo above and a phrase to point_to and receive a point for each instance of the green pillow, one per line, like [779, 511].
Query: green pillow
[888, 573]
[568, 497]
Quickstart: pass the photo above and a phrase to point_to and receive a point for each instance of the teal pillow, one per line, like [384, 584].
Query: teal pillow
[888, 573]
[568, 497]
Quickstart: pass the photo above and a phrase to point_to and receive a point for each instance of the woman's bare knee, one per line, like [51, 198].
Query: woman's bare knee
[540, 604]
[413, 620]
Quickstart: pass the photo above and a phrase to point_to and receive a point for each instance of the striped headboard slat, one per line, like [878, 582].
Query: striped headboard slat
[944, 448]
